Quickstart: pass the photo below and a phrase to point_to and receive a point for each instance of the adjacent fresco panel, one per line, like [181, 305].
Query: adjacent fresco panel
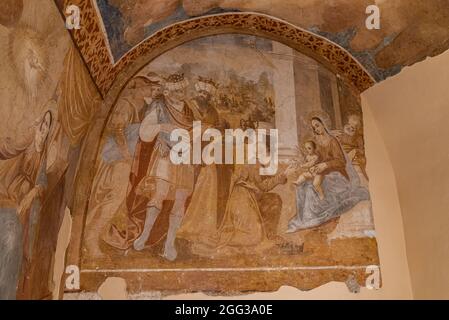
[226, 227]
[47, 101]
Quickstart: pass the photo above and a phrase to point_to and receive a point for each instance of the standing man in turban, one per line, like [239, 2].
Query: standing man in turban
[156, 179]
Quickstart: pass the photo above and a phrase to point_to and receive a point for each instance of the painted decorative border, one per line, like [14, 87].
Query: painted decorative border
[93, 45]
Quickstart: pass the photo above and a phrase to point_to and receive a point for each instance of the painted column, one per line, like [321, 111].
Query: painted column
[284, 88]
[307, 89]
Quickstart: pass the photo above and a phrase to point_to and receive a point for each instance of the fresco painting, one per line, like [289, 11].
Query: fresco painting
[147, 215]
[151, 148]
[383, 53]
[48, 100]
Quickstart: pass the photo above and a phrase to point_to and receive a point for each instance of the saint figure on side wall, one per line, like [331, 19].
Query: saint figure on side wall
[24, 184]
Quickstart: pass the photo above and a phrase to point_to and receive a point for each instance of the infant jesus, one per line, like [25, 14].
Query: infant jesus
[312, 158]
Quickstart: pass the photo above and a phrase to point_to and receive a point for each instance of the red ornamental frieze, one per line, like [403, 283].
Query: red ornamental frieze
[92, 43]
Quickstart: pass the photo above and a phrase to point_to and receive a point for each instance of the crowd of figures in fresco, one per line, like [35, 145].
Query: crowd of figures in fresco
[140, 199]
[141, 203]
[143, 210]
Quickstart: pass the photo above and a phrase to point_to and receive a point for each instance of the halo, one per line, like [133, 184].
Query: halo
[11, 12]
[353, 112]
[323, 116]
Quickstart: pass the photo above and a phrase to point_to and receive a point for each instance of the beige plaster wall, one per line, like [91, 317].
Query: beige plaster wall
[412, 113]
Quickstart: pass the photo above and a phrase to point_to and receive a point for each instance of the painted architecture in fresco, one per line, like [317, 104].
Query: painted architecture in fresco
[147, 214]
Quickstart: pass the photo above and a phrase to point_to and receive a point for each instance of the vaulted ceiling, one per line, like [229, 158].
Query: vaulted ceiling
[411, 30]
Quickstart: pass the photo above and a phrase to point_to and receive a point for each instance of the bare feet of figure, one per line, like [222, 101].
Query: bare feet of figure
[139, 243]
[170, 253]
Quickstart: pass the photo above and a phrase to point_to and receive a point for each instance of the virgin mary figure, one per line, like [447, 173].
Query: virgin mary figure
[340, 184]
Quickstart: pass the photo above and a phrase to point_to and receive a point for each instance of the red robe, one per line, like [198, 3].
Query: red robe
[136, 205]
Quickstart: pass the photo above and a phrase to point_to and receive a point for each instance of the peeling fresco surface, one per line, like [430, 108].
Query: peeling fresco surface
[410, 30]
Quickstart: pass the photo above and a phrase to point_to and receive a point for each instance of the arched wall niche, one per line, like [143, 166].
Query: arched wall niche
[341, 92]
[92, 43]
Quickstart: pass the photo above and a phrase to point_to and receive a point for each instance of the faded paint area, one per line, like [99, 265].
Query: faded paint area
[366, 57]
[269, 85]
[410, 30]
